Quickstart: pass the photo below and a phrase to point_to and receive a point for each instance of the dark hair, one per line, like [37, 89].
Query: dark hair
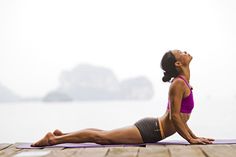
[168, 65]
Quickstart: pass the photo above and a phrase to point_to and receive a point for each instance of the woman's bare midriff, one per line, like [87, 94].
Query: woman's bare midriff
[168, 126]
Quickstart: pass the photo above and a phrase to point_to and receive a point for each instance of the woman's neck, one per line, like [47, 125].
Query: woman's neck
[185, 73]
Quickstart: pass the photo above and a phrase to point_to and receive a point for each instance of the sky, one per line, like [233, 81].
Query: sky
[40, 39]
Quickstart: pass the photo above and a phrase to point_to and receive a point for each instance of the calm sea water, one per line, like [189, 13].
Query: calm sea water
[27, 122]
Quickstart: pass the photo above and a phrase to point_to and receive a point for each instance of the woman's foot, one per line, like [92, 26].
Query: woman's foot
[57, 133]
[47, 140]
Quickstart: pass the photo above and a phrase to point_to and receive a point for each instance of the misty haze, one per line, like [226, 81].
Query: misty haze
[45, 83]
[90, 83]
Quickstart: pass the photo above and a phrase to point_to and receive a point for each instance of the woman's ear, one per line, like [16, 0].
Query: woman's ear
[178, 63]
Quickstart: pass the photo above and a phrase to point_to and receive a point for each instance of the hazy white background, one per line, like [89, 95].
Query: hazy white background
[39, 39]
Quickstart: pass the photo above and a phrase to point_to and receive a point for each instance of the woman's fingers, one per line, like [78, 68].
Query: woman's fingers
[207, 141]
[211, 139]
[200, 141]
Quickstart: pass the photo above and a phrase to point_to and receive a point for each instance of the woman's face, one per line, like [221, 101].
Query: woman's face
[182, 56]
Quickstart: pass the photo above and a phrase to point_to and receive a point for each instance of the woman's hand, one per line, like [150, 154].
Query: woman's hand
[201, 140]
[210, 139]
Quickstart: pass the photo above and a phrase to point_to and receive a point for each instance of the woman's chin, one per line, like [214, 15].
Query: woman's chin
[191, 58]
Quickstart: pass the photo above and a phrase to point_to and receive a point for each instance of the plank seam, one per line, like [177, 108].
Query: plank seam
[108, 150]
[204, 153]
[169, 153]
[137, 152]
[6, 147]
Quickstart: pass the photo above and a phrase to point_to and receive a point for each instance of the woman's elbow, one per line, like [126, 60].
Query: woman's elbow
[175, 117]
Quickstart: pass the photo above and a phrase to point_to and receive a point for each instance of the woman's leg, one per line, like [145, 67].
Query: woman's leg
[58, 132]
[126, 135]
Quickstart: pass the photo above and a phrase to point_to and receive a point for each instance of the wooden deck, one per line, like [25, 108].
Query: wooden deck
[8, 150]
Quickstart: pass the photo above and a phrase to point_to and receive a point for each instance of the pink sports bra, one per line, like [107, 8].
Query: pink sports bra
[187, 103]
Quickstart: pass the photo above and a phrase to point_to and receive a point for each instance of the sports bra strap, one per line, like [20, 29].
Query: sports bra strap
[181, 77]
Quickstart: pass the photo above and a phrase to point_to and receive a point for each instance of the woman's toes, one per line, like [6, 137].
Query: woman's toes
[47, 140]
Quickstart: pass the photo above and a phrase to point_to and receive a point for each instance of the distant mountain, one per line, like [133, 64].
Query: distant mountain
[88, 82]
[57, 96]
[136, 88]
[6, 95]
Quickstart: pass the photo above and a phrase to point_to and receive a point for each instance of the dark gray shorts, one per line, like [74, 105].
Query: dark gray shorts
[149, 129]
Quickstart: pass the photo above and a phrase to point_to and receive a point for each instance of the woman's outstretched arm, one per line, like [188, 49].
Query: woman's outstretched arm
[176, 93]
[196, 137]
[191, 132]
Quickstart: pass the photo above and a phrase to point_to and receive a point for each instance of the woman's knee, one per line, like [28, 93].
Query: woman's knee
[101, 137]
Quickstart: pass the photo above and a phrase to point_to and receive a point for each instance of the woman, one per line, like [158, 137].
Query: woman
[180, 104]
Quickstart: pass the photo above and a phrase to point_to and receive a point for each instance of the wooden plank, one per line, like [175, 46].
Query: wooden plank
[4, 145]
[233, 146]
[32, 152]
[54, 152]
[153, 151]
[37, 150]
[148, 151]
[24, 149]
[74, 151]
[9, 151]
[184, 151]
[123, 152]
[97, 152]
[218, 150]
[155, 146]
[68, 152]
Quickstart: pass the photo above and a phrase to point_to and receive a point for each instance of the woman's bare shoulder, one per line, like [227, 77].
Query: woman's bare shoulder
[177, 84]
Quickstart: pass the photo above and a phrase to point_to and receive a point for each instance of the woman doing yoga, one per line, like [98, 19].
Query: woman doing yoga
[175, 64]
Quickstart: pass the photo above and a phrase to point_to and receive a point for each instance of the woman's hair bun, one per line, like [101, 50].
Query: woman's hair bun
[167, 77]
[168, 66]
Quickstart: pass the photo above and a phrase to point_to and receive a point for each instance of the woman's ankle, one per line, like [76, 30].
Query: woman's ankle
[52, 140]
